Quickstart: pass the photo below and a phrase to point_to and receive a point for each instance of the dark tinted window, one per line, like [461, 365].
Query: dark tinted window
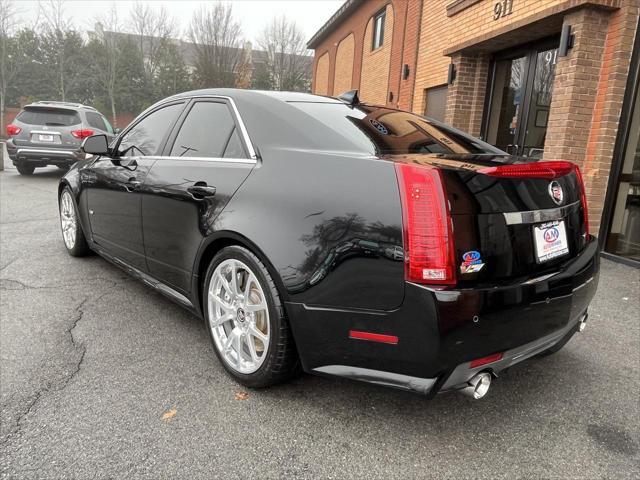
[378, 29]
[206, 132]
[234, 147]
[96, 120]
[145, 137]
[384, 131]
[54, 117]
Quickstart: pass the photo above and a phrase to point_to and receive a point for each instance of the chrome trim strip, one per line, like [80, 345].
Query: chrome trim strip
[537, 216]
[45, 132]
[247, 161]
[397, 380]
[42, 150]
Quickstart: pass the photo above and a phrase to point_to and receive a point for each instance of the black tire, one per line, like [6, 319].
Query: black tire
[80, 247]
[25, 169]
[281, 362]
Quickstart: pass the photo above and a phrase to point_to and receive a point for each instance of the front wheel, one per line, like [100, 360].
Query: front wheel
[72, 234]
[246, 320]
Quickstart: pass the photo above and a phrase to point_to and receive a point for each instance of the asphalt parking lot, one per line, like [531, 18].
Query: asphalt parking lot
[103, 378]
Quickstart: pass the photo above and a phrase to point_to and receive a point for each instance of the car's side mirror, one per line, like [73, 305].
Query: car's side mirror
[96, 145]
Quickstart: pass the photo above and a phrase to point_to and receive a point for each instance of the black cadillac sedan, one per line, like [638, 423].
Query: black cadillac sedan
[339, 238]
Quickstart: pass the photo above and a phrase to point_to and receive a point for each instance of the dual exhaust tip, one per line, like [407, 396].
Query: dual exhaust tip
[478, 386]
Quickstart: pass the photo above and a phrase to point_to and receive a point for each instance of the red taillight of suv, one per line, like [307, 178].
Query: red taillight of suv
[546, 170]
[84, 133]
[13, 130]
[428, 236]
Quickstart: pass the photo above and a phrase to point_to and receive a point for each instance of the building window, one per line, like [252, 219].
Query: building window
[436, 102]
[378, 29]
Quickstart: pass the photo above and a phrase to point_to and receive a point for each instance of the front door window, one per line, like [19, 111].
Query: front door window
[520, 100]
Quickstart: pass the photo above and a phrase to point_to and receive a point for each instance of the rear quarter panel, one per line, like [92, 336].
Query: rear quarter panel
[329, 224]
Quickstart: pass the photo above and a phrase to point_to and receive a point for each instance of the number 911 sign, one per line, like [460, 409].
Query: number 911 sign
[502, 9]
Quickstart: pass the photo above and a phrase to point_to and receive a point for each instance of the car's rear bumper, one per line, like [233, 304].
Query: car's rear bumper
[41, 156]
[439, 332]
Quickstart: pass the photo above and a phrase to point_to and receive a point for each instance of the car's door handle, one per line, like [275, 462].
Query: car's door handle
[200, 189]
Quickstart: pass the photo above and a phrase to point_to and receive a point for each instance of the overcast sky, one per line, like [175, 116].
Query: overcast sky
[310, 15]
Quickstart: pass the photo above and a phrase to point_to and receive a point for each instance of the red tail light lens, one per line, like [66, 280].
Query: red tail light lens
[583, 198]
[428, 237]
[13, 130]
[548, 170]
[84, 133]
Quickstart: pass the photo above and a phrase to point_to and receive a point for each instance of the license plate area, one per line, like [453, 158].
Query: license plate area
[45, 137]
[550, 239]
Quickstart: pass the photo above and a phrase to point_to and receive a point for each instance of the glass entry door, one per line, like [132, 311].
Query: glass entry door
[521, 89]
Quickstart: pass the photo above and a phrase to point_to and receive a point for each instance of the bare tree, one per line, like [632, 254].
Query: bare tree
[288, 63]
[9, 64]
[154, 28]
[106, 55]
[216, 38]
[56, 26]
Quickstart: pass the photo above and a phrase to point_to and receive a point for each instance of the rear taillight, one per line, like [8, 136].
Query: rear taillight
[84, 133]
[13, 130]
[548, 170]
[428, 237]
[583, 198]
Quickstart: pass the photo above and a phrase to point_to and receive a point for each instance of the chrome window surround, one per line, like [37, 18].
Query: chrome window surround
[537, 216]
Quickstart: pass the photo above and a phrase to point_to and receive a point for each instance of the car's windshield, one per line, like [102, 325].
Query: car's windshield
[392, 132]
[49, 117]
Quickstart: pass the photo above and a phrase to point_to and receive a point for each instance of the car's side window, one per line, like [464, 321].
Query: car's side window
[145, 137]
[95, 121]
[208, 131]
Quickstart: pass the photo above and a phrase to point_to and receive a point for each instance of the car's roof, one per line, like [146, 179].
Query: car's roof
[240, 94]
[53, 103]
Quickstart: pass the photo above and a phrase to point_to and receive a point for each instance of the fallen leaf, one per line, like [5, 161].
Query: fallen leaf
[242, 395]
[169, 414]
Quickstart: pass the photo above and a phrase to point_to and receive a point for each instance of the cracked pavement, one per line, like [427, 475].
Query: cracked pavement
[91, 360]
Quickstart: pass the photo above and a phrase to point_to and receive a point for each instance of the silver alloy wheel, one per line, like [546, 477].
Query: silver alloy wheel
[238, 316]
[68, 220]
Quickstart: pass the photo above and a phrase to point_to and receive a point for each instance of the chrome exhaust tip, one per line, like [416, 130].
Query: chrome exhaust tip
[478, 386]
[583, 323]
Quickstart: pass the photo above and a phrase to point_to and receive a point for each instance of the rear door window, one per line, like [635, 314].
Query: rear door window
[96, 120]
[208, 131]
[51, 117]
[146, 136]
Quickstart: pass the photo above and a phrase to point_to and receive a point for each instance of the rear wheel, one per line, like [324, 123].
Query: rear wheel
[25, 169]
[74, 239]
[246, 320]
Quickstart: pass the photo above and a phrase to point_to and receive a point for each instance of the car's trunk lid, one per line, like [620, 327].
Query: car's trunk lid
[508, 228]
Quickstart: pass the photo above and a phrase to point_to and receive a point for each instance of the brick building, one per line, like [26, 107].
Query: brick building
[497, 69]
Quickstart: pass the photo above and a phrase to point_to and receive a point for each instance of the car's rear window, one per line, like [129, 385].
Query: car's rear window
[393, 132]
[54, 117]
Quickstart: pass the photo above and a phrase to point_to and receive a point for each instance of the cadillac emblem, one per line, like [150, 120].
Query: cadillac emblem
[556, 193]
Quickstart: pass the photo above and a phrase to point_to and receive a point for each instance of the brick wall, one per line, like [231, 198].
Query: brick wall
[374, 82]
[343, 76]
[465, 97]
[321, 76]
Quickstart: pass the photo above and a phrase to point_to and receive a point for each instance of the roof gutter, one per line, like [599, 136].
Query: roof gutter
[336, 19]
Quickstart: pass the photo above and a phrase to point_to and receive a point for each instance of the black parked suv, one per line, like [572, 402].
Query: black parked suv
[50, 133]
